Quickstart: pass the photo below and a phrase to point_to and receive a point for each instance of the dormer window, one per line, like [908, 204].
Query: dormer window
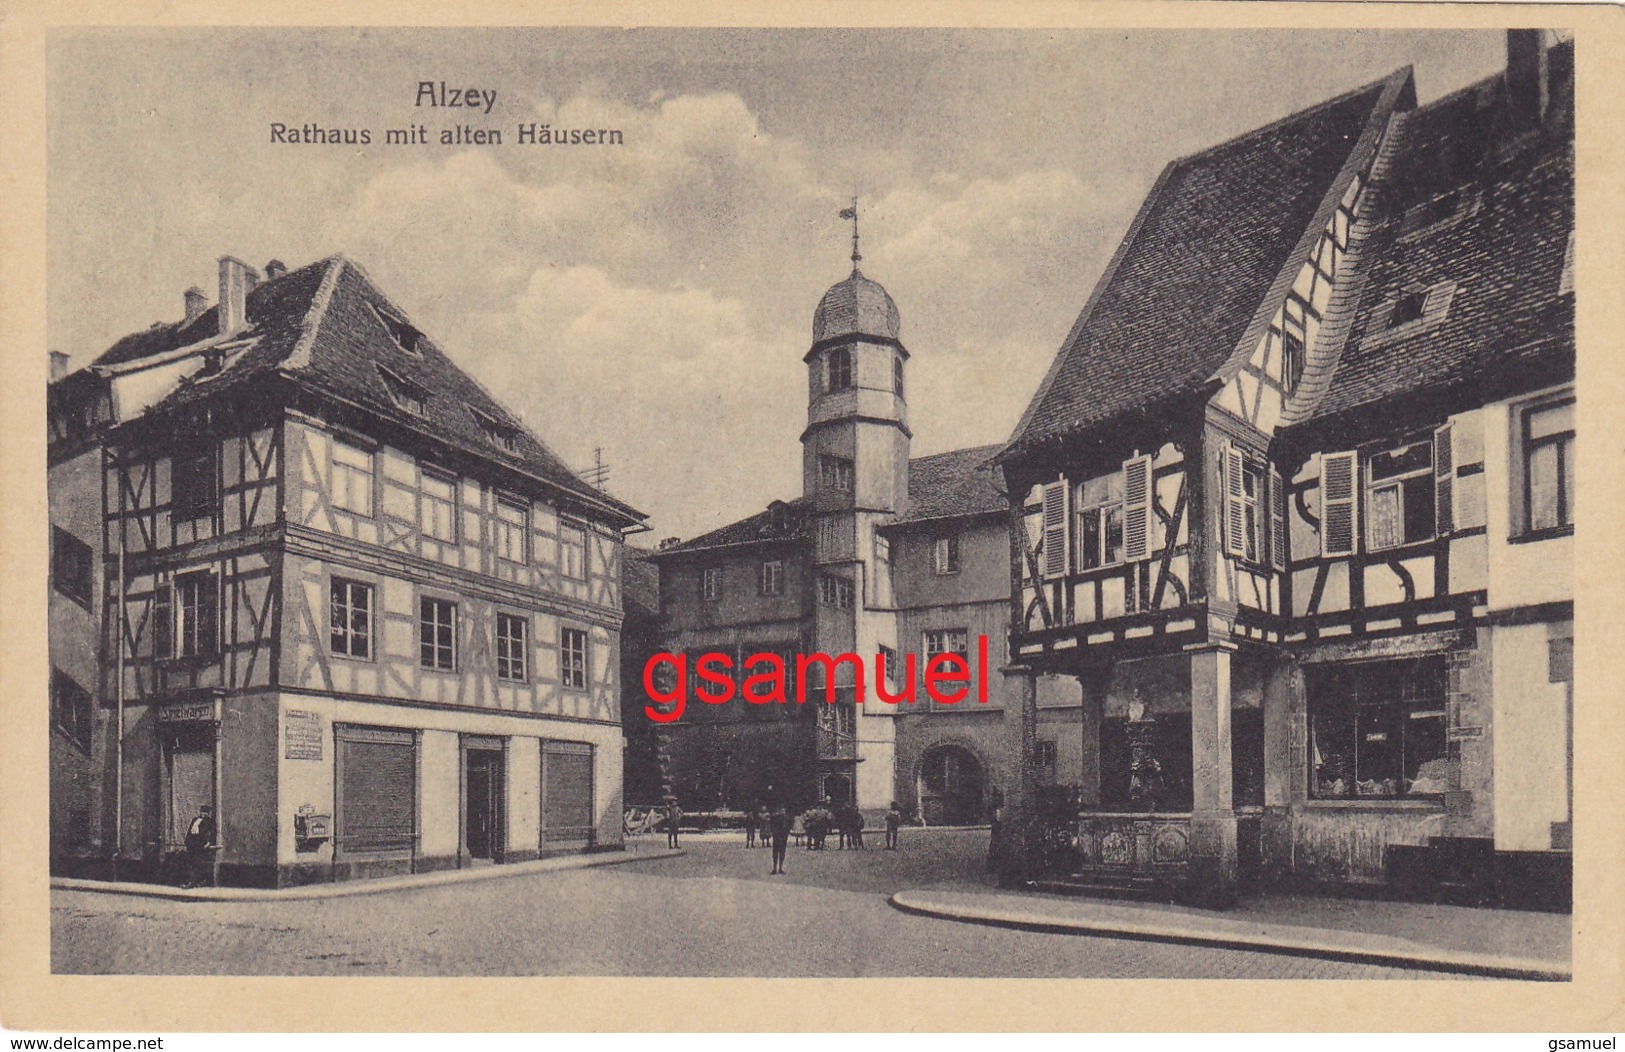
[840, 369]
[1410, 307]
[500, 434]
[409, 396]
[400, 330]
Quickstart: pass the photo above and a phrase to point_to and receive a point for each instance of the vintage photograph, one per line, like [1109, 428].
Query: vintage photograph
[811, 503]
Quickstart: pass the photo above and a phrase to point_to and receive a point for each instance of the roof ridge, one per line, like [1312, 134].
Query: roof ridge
[299, 357]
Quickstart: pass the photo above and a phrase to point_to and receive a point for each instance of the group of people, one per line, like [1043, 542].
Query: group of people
[816, 824]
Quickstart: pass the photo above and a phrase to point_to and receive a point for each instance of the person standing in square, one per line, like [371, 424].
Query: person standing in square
[674, 815]
[894, 821]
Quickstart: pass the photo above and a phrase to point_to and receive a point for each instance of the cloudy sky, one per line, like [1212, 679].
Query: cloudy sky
[655, 299]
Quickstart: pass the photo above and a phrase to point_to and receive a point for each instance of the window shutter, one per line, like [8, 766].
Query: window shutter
[1339, 502]
[1235, 512]
[1137, 509]
[1056, 548]
[1277, 520]
[1444, 481]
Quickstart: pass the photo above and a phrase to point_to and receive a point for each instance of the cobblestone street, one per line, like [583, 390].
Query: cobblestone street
[713, 911]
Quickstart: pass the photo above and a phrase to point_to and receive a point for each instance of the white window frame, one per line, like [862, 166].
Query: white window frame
[834, 590]
[711, 583]
[836, 473]
[510, 539]
[573, 551]
[1376, 489]
[437, 514]
[439, 657]
[344, 609]
[772, 578]
[1563, 441]
[945, 554]
[354, 474]
[574, 665]
[512, 651]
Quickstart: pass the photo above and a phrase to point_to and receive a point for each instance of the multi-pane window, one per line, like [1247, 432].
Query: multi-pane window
[711, 583]
[1100, 521]
[352, 477]
[835, 591]
[1548, 461]
[835, 473]
[840, 369]
[1044, 762]
[1378, 729]
[193, 483]
[1400, 496]
[349, 617]
[512, 639]
[945, 641]
[409, 396]
[72, 565]
[437, 634]
[437, 510]
[773, 577]
[503, 436]
[888, 663]
[510, 528]
[197, 615]
[945, 556]
[573, 552]
[573, 658]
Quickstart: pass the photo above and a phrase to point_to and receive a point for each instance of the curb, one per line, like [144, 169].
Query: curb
[345, 889]
[1286, 940]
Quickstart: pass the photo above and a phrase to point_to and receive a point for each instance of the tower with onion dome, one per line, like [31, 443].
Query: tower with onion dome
[855, 479]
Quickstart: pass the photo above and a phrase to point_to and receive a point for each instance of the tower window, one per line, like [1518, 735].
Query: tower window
[835, 473]
[840, 369]
[897, 376]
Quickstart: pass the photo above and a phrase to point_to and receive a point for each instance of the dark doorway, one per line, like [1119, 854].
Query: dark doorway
[483, 788]
[950, 787]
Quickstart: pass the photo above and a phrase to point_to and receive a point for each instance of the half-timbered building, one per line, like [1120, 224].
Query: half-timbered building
[340, 595]
[1293, 506]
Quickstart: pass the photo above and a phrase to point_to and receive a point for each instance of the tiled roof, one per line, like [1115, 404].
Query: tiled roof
[323, 326]
[781, 521]
[1207, 246]
[640, 584]
[1496, 242]
[963, 482]
[943, 485]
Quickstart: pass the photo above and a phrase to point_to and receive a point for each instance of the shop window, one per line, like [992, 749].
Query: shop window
[573, 658]
[1548, 466]
[72, 566]
[946, 556]
[194, 484]
[513, 635]
[437, 507]
[350, 618]
[352, 477]
[573, 552]
[1400, 494]
[437, 634]
[510, 530]
[1378, 729]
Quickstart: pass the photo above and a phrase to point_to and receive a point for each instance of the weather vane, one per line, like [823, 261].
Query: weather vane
[852, 214]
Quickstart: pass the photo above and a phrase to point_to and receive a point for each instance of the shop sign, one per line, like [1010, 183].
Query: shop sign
[303, 734]
[189, 712]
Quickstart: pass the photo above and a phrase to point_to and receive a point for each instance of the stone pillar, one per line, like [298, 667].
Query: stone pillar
[1093, 688]
[1020, 736]
[1213, 818]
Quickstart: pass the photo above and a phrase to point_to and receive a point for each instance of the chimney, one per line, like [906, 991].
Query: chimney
[275, 269]
[236, 279]
[59, 365]
[668, 543]
[196, 303]
[1527, 80]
